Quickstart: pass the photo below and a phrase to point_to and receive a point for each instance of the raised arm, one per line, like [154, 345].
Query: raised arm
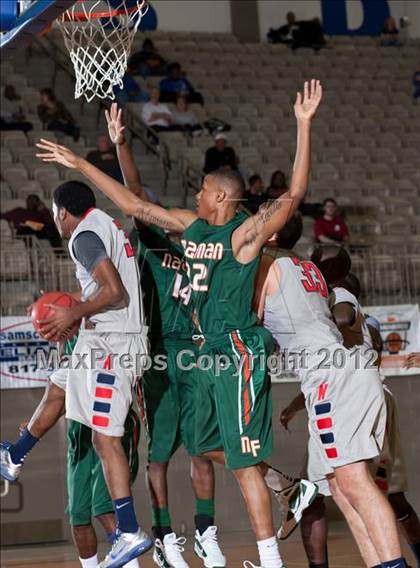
[172, 219]
[251, 236]
[128, 167]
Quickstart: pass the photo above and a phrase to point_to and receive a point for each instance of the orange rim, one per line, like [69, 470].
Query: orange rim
[69, 16]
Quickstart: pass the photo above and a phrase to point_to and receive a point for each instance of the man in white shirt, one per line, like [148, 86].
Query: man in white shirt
[155, 114]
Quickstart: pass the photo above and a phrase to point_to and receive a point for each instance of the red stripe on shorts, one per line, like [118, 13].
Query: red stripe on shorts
[100, 421]
[331, 452]
[247, 376]
[103, 393]
[324, 423]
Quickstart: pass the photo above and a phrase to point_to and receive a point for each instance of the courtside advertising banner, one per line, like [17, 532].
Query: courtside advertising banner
[400, 331]
[19, 342]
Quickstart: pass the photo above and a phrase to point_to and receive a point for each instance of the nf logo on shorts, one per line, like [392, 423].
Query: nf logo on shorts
[250, 446]
[104, 393]
[325, 422]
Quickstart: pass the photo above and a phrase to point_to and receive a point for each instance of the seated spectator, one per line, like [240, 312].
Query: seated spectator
[54, 115]
[12, 116]
[284, 34]
[303, 33]
[185, 118]
[254, 196]
[105, 158]
[157, 115]
[278, 185]
[389, 34]
[35, 219]
[416, 83]
[177, 84]
[131, 91]
[148, 62]
[220, 156]
[331, 227]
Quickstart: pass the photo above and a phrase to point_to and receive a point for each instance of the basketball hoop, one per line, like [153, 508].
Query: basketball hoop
[98, 35]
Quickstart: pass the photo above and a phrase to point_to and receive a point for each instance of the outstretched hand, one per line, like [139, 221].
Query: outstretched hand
[56, 153]
[306, 105]
[115, 124]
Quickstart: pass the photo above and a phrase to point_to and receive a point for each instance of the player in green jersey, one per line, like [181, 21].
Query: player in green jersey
[168, 392]
[222, 252]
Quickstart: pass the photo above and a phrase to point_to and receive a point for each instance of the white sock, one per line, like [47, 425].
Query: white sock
[133, 564]
[91, 562]
[277, 480]
[269, 553]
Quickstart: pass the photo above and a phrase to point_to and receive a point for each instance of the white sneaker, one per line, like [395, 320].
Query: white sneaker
[8, 469]
[293, 501]
[126, 547]
[207, 548]
[168, 554]
[248, 564]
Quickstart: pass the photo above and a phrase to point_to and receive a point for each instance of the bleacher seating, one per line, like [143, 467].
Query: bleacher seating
[366, 137]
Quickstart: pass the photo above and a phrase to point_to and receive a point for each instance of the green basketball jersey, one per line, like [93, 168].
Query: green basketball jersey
[165, 284]
[222, 288]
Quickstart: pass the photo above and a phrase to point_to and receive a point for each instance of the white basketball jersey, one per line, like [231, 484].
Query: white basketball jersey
[297, 314]
[130, 318]
[342, 295]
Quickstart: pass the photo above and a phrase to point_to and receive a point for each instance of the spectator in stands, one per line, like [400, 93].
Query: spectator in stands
[131, 91]
[185, 118]
[54, 115]
[35, 219]
[157, 115]
[220, 155]
[148, 61]
[176, 84]
[278, 185]
[12, 116]
[331, 227]
[416, 83]
[255, 196]
[105, 158]
[303, 33]
[390, 33]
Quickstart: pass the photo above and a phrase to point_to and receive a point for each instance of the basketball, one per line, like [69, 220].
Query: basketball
[40, 311]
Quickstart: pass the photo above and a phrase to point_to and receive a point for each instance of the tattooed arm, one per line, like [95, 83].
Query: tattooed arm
[172, 219]
[251, 236]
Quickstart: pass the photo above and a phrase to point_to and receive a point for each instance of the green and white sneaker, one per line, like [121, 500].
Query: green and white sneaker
[207, 548]
[293, 501]
[168, 554]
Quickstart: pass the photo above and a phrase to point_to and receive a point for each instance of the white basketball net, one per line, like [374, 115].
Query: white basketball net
[99, 46]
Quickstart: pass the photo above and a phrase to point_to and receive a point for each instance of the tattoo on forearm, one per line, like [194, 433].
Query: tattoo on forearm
[265, 213]
[144, 214]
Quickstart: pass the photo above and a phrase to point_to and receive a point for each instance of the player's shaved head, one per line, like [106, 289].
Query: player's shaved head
[290, 233]
[333, 261]
[350, 283]
[229, 181]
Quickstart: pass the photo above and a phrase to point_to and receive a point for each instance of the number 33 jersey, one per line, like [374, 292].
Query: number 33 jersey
[297, 313]
[222, 288]
[128, 319]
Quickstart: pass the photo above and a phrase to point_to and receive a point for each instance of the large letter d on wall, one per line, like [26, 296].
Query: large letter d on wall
[334, 17]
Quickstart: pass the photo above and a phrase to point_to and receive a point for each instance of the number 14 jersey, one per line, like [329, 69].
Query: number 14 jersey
[297, 313]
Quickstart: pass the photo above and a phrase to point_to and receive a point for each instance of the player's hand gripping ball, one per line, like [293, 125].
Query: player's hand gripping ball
[53, 318]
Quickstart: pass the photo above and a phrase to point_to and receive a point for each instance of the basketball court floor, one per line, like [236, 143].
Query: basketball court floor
[238, 546]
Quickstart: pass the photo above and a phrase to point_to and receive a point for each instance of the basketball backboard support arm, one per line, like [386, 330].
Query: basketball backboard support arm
[31, 22]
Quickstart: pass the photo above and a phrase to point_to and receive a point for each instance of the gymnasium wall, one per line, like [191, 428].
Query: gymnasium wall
[215, 15]
[202, 16]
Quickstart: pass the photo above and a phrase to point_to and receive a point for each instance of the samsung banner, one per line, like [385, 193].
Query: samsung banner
[19, 343]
